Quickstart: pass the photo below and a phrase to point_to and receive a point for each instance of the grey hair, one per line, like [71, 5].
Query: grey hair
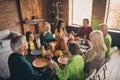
[16, 43]
[104, 25]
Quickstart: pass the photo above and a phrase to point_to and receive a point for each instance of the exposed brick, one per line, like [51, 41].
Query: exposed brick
[9, 16]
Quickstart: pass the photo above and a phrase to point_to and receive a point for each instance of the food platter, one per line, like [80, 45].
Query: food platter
[40, 62]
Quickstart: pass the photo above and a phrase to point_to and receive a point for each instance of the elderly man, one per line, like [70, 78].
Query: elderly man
[20, 67]
[107, 39]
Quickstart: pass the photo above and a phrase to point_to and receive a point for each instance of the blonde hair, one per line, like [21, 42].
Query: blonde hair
[46, 24]
[96, 38]
[17, 42]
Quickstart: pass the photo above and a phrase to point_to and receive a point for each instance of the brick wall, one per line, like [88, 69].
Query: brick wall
[44, 5]
[9, 18]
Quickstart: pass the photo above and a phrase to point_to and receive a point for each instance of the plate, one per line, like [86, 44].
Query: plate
[40, 62]
[63, 59]
[83, 50]
[84, 47]
[35, 52]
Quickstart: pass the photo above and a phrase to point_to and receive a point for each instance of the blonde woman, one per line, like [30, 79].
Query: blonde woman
[95, 55]
[47, 35]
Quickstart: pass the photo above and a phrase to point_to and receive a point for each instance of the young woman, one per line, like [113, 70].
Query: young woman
[60, 31]
[95, 55]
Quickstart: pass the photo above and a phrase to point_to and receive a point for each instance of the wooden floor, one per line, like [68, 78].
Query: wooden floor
[111, 69]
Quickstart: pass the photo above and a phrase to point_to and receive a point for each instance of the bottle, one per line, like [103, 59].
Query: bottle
[43, 51]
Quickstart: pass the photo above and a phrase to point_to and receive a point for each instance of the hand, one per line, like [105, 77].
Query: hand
[52, 64]
[49, 54]
[89, 43]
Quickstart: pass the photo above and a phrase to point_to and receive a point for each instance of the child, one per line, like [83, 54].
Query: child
[33, 45]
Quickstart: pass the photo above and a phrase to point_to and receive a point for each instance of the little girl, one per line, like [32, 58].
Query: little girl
[33, 44]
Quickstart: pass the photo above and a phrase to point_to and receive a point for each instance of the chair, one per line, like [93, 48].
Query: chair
[101, 73]
[107, 59]
[1, 78]
[91, 74]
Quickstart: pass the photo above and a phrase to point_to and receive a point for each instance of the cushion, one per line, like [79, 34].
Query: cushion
[4, 69]
[5, 43]
[4, 34]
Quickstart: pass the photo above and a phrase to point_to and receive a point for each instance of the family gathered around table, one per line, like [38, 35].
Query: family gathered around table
[62, 56]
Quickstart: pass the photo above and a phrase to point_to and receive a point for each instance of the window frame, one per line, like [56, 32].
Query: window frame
[71, 14]
[106, 16]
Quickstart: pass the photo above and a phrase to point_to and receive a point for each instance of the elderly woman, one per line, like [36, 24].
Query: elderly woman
[20, 67]
[95, 55]
[73, 70]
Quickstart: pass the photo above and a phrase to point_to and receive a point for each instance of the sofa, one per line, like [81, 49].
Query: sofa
[5, 51]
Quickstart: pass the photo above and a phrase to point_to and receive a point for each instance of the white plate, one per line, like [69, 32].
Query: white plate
[84, 47]
[36, 52]
[63, 59]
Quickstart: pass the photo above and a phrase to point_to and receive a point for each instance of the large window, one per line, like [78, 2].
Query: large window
[113, 14]
[78, 10]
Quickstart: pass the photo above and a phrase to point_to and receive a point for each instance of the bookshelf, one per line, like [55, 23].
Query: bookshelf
[55, 12]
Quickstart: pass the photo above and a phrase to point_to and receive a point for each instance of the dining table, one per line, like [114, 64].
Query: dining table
[41, 63]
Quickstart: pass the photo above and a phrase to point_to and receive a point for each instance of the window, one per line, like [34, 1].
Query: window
[113, 14]
[78, 10]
